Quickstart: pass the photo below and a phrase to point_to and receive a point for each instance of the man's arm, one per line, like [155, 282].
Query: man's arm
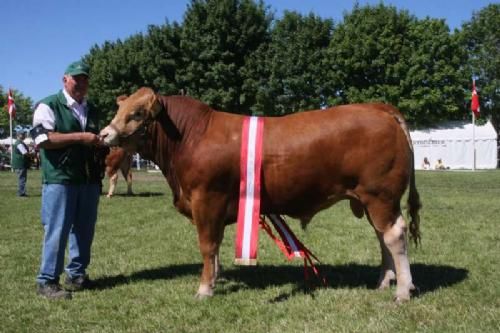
[45, 137]
[57, 140]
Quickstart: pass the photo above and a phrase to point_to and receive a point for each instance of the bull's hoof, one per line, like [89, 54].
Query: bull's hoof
[384, 285]
[401, 299]
[200, 296]
[386, 280]
[109, 196]
[204, 292]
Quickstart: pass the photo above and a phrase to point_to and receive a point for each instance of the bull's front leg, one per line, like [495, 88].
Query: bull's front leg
[210, 226]
[209, 238]
[112, 184]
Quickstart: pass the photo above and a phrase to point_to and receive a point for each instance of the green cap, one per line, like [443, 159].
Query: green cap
[77, 68]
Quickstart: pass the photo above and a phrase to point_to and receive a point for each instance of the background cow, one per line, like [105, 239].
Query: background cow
[118, 159]
[311, 160]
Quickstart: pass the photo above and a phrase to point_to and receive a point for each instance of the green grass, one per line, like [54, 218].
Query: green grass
[147, 265]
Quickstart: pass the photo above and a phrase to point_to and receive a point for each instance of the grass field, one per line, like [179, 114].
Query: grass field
[146, 264]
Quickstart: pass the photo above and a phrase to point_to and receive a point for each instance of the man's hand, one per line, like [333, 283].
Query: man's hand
[91, 139]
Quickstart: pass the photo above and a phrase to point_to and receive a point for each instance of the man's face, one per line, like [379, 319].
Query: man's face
[76, 86]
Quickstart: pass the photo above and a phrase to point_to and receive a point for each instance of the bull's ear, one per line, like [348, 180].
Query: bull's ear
[120, 99]
[154, 106]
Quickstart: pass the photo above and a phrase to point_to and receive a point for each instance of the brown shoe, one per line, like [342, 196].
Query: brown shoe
[52, 291]
[77, 284]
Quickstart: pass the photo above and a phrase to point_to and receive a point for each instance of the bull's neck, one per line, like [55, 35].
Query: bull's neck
[174, 134]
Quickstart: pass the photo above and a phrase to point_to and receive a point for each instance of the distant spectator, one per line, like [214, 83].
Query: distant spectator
[440, 165]
[426, 165]
[21, 163]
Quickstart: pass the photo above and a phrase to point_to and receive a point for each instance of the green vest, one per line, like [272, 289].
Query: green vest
[74, 164]
[19, 161]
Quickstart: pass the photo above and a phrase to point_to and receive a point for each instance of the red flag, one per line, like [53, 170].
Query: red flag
[11, 105]
[474, 104]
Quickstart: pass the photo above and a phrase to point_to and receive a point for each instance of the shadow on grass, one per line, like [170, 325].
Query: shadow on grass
[138, 195]
[426, 277]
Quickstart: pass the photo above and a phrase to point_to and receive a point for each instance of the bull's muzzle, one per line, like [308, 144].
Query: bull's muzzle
[110, 136]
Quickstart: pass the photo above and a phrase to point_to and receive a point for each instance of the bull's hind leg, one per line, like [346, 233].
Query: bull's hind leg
[396, 241]
[387, 271]
[391, 230]
[127, 174]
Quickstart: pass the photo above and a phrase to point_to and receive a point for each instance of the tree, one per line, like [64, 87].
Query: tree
[160, 58]
[218, 39]
[24, 112]
[481, 38]
[381, 54]
[119, 68]
[293, 65]
[430, 90]
[114, 72]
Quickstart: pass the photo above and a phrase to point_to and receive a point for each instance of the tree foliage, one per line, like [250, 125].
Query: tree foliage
[480, 38]
[218, 39]
[121, 67]
[237, 57]
[292, 66]
[381, 54]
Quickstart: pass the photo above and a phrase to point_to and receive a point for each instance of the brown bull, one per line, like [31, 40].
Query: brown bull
[311, 160]
[118, 159]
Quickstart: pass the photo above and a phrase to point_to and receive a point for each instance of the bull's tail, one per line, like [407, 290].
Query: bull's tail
[413, 203]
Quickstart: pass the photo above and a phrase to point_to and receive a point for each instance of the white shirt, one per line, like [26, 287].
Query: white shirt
[44, 115]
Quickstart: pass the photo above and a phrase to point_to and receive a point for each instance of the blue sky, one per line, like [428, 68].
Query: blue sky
[41, 37]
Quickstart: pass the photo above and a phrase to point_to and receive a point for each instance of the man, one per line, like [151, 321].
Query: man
[66, 129]
[20, 163]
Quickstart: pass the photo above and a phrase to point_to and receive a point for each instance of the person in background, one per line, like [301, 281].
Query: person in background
[439, 165]
[426, 165]
[66, 129]
[21, 163]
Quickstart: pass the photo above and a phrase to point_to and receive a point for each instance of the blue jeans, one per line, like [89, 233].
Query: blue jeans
[69, 212]
[22, 175]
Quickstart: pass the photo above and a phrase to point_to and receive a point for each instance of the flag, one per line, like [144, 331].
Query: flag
[11, 105]
[474, 104]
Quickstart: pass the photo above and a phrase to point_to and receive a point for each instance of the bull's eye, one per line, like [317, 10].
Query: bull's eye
[137, 115]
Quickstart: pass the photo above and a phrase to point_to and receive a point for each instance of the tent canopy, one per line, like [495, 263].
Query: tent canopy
[452, 142]
[7, 141]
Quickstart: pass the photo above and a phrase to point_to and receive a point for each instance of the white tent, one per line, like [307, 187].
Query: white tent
[7, 141]
[452, 142]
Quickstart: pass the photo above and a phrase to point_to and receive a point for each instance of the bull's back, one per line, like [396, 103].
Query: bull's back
[323, 156]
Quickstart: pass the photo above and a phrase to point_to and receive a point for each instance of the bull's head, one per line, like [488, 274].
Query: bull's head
[134, 114]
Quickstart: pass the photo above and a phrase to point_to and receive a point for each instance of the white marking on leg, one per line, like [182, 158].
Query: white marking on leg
[395, 240]
[387, 270]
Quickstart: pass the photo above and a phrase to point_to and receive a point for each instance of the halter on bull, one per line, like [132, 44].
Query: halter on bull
[311, 160]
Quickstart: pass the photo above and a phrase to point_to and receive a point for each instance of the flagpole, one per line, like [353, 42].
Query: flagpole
[474, 106]
[474, 141]
[11, 143]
